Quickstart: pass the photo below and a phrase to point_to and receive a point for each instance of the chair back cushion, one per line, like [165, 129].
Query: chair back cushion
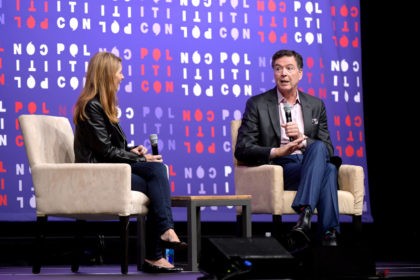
[234, 126]
[47, 139]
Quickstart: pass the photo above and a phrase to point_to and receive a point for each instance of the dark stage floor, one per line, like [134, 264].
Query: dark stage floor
[375, 256]
[108, 272]
[383, 271]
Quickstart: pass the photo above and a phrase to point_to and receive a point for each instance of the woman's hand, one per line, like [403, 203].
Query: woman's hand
[142, 151]
[155, 158]
[139, 150]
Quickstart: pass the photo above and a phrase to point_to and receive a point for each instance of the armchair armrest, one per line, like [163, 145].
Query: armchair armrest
[351, 179]
[261, 182]
[82, 188]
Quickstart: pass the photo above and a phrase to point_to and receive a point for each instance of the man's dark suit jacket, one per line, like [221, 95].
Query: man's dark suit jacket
[260, 128]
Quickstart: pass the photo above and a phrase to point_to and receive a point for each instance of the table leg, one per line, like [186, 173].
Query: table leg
[246, 220]
[198, 226]
[192, 237]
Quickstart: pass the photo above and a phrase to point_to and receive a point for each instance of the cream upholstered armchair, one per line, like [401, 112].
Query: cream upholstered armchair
[265, 184]
[82, 191]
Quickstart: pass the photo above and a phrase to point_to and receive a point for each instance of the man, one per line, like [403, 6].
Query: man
[288, 127]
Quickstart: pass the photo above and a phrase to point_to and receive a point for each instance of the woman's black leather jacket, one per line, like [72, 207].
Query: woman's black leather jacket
[98, 140]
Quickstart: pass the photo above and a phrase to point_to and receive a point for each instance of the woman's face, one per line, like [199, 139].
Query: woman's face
[119, 76]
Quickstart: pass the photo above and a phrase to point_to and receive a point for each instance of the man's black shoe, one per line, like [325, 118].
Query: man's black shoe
[330, 239]
[303, 225]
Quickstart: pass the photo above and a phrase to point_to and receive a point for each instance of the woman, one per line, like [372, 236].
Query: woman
[99, 138]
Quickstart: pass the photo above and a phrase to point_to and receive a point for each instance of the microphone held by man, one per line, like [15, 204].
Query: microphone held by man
[288, 112]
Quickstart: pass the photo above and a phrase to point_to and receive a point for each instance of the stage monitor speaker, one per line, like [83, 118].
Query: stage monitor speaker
[245, 258]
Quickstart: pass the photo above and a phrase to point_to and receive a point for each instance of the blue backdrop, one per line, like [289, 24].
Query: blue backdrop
[189, 68]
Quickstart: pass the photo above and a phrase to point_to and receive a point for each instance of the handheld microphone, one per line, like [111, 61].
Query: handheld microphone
[154, 143]
[288, 111]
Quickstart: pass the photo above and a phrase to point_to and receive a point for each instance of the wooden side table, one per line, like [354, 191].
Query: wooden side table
[193, 204]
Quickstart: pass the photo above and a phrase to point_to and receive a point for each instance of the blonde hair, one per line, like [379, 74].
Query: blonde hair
[100, 80]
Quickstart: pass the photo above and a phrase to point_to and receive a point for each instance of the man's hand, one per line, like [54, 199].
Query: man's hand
[290, 147]
[291, 129]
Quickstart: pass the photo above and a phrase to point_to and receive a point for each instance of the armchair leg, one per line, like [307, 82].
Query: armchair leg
[357, 226]
[141, 241]
[277, 226]
[39, 244]
[77, 249]
[124, 222]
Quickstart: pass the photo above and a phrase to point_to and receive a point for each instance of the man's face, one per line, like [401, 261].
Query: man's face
[286, 74]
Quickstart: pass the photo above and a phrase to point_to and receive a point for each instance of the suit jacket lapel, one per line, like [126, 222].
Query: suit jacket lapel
[273, 111]
[307, 115]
